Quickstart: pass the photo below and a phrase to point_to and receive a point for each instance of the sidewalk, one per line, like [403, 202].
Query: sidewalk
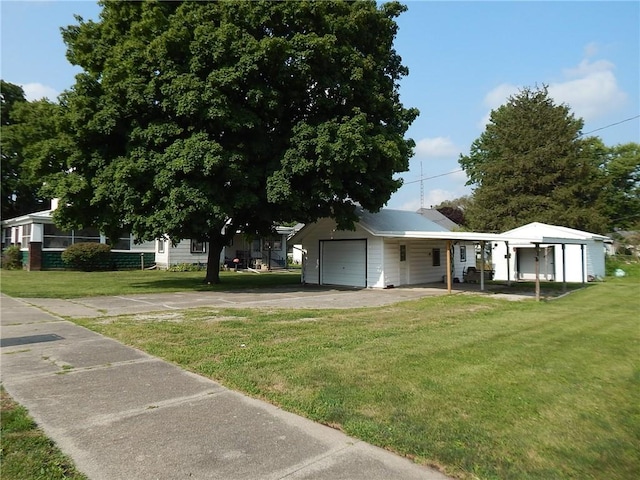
[123, 414]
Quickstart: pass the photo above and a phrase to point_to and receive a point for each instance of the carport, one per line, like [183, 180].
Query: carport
[483, 238]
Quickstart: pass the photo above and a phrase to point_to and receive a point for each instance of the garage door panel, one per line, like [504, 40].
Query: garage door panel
[344, 262]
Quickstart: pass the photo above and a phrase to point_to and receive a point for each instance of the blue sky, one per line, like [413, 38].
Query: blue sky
[464, 58]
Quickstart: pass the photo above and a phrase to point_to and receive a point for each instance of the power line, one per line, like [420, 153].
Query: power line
[421, 179]
[434, 176]
[611, 125]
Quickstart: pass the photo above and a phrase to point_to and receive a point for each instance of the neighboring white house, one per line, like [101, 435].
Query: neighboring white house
[250, 251]
[42, 243]
[388, 248]
[584, 254]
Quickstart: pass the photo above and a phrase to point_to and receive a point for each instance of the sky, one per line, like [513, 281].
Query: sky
[465, 58]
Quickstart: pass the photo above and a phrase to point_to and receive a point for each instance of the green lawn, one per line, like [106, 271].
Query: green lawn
[481, 387]
[70, 284]
[25, 452]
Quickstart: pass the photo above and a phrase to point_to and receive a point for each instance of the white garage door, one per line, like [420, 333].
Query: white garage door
[343, 262]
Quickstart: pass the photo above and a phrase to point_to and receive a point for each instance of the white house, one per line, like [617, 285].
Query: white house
[42, 243]
[388, 248]
[574, 255]
[251, 251]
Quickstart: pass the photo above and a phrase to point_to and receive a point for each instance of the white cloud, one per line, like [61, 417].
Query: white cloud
[591, 92]
[590, 89]
[38, 91]
[437, 147]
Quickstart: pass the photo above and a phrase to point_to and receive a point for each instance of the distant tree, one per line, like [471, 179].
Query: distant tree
[24, 126]
[454, 214]
[454, 209]
[195, 119]
[531, 164]
[620, 200]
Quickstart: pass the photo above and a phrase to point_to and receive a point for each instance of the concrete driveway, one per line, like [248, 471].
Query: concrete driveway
[281, 297]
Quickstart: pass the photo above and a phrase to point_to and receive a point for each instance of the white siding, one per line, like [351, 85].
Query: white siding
[459, 265]
[324, 230]
[181, 253]
[551, 263]
[391, 262]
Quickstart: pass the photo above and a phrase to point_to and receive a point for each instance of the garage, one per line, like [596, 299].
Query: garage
[343, 262]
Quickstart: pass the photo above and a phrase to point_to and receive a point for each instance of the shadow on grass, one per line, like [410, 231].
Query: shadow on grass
[228, 281]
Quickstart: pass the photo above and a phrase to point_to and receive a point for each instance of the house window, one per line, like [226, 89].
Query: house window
[86, 235]
[6, 237]
[26, 234]
[160, 246]
[277, 245]
[403, 253]
[463, 253]
[435, 257]
[197, 247]
[123, 243]
[55, 238]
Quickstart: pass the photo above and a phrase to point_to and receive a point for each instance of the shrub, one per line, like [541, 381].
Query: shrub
[12, 258]
[187, 267]
[87, 256]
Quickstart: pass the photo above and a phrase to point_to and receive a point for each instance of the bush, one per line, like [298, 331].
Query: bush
[187, 267]
[87, 256]
[12, 258]
[629, 264]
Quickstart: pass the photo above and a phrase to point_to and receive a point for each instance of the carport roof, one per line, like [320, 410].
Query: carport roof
[391, 223]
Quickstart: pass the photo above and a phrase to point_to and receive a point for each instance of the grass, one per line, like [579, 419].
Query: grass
[482, 388]
[71, 284]
[25, 452]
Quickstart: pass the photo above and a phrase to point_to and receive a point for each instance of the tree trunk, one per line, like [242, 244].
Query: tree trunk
[217, 241]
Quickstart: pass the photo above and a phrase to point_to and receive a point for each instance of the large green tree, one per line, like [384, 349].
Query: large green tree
[23, 125]
[194, 119]
[532, 164]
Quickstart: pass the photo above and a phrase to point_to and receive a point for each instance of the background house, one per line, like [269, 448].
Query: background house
[256, 252]
[436, 217]
[42, 243]
[584, 254]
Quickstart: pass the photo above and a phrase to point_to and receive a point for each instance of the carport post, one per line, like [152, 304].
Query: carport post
[537, 272]
[584, 276]
[564, 269]
[449, 266]
[508, 257]
[482, 247]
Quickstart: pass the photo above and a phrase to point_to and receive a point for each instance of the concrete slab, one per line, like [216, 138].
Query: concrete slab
[81, 396]
[123, 414]
[283, 297]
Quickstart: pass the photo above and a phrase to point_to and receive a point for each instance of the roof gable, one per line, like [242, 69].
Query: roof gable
[543, 229]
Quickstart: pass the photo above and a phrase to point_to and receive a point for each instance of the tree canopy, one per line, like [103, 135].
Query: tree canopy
[195, 119]
[532, 164]
[620, 200]
[29, 132]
